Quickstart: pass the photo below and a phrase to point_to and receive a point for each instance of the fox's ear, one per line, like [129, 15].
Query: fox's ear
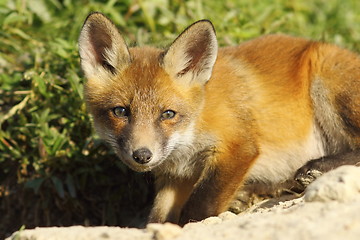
[191, 57]
[103, 51]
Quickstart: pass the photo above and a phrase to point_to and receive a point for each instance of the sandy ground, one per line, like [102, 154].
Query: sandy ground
[329, 209]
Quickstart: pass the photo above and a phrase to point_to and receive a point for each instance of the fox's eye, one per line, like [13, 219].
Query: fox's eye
[168, 114]
[120, 112]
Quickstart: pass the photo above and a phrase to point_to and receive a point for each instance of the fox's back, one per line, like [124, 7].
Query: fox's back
[265, 82]
[282, 91]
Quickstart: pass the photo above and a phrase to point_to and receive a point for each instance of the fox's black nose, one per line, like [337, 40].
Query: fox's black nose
[142, 155]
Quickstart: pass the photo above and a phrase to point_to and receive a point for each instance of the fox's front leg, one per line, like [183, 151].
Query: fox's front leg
[172, 193]
[217, 186]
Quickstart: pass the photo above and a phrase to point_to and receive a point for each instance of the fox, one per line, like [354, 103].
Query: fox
[206, 119]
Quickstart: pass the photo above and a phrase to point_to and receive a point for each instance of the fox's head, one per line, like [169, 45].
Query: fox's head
[145, 101]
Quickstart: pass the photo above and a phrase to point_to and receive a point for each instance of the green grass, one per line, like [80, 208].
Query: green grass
[53, 168]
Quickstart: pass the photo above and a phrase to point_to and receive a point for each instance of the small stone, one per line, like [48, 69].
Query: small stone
[211, 220]
[227, 215]
[192, 225]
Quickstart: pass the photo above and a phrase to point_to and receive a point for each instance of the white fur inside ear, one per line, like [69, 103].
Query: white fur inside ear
[90, 66]
[191, 57]
[102, 49]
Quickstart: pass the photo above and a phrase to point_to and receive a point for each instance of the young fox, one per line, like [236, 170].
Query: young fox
[204, 120]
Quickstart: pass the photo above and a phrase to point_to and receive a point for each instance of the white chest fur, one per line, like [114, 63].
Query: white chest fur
[276, 164]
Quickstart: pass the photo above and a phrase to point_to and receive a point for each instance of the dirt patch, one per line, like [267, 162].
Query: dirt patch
[329, 209]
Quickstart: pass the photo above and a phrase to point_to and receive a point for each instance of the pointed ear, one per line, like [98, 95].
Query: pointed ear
[191, 57]
[103, 51]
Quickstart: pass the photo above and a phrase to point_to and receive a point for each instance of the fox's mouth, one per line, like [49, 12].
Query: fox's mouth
[138, 163]
[150, 157]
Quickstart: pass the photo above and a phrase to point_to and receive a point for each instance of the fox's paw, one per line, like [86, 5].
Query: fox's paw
[310, 171]
[315, 168]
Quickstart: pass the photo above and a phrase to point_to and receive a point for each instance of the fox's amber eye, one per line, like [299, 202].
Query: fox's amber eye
[168, 114]
[120, 112]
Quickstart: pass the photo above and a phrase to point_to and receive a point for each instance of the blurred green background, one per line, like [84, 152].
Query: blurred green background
[53, 168]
